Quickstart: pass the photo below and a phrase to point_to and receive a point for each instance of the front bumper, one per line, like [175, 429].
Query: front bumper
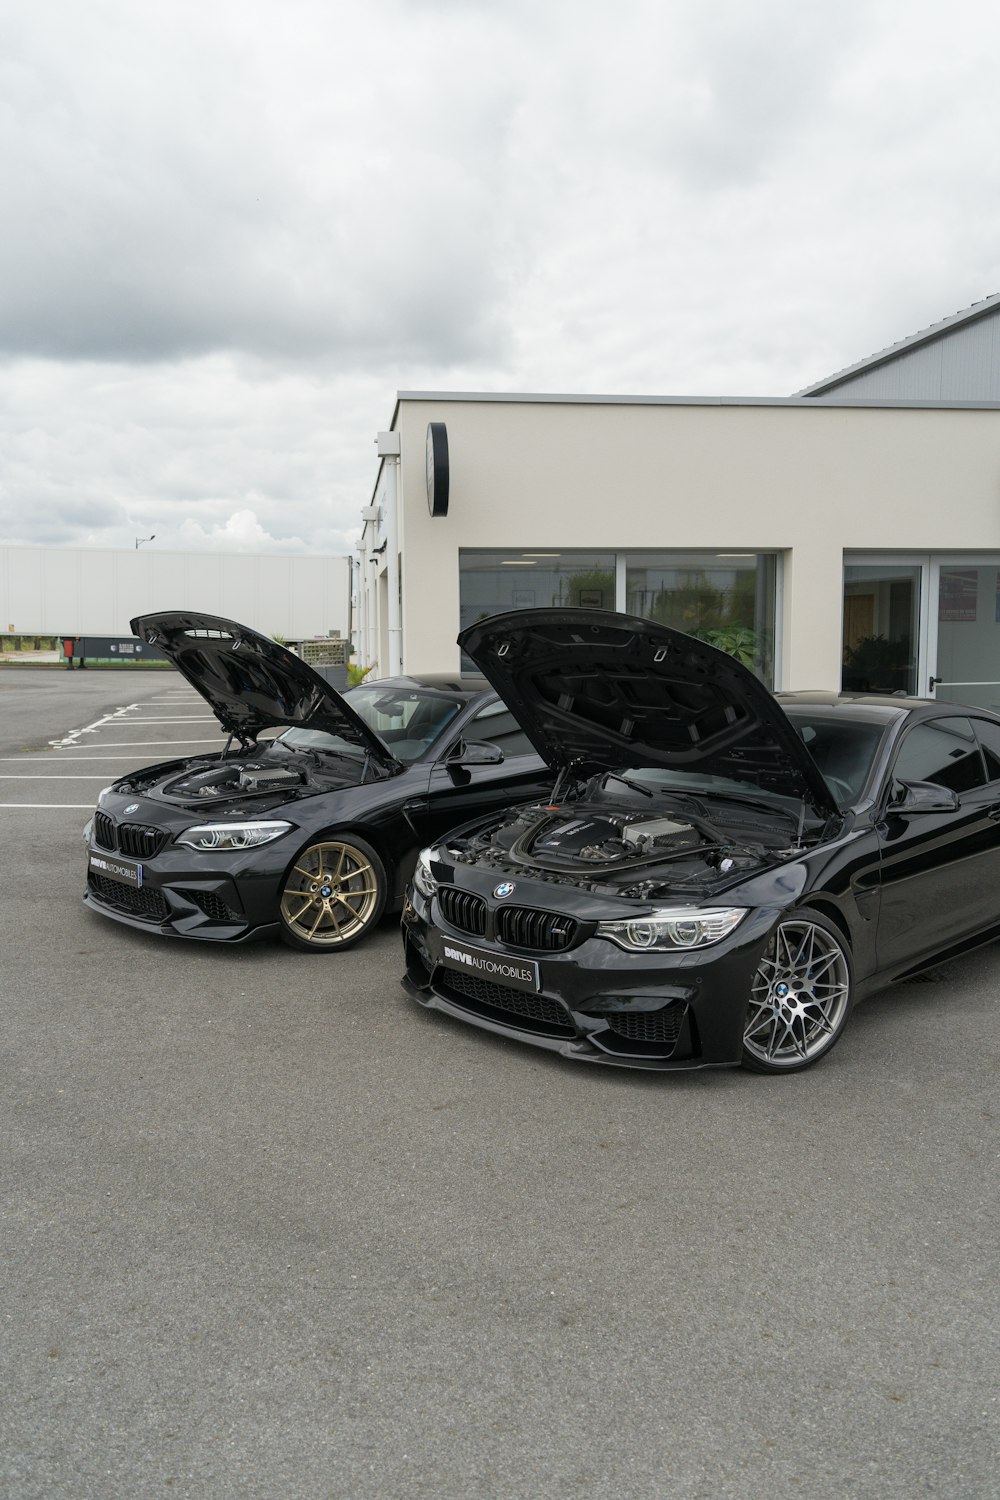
[219, 897]
[677, 1009]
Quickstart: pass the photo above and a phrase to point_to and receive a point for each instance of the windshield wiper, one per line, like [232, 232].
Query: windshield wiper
[759, 802]
[625, 781]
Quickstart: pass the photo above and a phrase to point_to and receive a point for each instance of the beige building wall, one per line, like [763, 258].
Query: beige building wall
[804, 480]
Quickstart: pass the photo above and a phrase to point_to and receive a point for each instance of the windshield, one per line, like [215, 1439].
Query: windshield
[408, 720]
[844, 751]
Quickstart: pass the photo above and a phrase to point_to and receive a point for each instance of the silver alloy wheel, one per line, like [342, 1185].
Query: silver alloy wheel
[331, 894]
[800, 997]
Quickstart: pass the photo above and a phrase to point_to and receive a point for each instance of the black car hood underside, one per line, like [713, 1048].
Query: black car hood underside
[596, 691]
[250, 682]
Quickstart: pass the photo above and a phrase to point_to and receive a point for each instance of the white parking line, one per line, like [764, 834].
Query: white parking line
[130, 744]
[115, 716]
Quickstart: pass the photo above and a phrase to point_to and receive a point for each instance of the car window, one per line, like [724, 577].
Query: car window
[988, 735]
[843, 751]
[496, 724]
[943, 751]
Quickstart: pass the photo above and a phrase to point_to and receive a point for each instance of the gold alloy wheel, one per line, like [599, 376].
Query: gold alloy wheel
[333, 893]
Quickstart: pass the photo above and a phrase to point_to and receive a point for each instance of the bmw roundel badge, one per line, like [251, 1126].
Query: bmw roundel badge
[505, 888]
[132, 807]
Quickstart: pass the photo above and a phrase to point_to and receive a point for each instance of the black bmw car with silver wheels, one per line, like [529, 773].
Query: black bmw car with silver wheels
[718, 874]
[312, 832]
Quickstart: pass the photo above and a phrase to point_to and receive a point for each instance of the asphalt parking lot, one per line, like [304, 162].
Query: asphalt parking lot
[271, 1230]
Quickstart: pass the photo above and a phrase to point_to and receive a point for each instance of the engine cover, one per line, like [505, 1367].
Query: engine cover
[268, 778]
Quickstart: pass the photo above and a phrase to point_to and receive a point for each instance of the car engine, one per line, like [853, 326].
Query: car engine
[633, 853]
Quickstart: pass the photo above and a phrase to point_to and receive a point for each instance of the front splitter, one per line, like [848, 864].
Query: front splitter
[576, 1049]
[230, 937]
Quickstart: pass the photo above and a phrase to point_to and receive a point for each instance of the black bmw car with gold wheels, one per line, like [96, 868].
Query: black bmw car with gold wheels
[718, 873]
[312, 832]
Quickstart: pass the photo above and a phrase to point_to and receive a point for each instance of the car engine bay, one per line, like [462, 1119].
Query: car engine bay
[599, 846]
[242, 776]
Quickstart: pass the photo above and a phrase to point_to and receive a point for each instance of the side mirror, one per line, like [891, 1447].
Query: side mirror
[480, 754]
[922, 797]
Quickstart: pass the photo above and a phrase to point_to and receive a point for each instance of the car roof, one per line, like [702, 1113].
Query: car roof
[868, 708]
[875, 708]
[435, 682]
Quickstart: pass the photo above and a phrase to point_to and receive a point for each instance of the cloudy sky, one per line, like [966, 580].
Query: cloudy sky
[232, 231]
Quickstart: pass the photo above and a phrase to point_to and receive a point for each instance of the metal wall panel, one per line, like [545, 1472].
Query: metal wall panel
[961, 365]
[96, 591]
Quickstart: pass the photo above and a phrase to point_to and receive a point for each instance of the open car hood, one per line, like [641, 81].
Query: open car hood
[250, 682]
[597, 691]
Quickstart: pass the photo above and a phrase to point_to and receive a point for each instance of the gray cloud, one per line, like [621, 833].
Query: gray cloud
[155, 210]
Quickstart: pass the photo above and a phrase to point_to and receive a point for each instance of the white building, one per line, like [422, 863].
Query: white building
[848, 536]
[78, 591]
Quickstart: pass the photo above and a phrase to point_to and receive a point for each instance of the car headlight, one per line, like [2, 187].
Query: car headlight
[423, 880]
[674, 927]
[231, 835]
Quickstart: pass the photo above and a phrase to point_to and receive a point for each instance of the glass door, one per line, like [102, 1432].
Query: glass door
[884, 637]
[964, 660]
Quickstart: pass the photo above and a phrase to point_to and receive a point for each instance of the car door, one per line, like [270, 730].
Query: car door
[460, 789]
[939, 870]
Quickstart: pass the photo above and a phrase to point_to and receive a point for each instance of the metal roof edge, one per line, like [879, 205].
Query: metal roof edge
[800, 402]
[928, 335]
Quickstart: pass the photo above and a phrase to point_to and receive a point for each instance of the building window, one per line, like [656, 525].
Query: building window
[726, 599]
[881, 618]
[491, 583]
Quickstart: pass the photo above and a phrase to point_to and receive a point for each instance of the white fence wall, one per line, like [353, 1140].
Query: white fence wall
[96, 591]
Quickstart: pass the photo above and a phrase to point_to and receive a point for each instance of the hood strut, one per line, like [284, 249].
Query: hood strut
[246, 743]
[566, 774]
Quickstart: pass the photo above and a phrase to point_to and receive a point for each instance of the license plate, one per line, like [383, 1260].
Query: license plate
[518, 973]
[128, 871]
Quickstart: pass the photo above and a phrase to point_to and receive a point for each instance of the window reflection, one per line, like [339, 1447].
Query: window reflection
[881, 607]
[491, 583]
[726, 601]
[943, 751]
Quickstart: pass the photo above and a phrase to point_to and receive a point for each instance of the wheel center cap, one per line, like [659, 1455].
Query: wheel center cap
[326, 890]
[781, 990]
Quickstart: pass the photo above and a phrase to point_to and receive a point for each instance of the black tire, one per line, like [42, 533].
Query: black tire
[333, 894]
[801, 996]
